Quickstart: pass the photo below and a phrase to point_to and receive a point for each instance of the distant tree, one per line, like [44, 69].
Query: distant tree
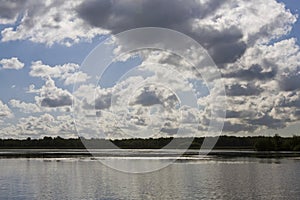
[296, 148]
[277, 142]
[296, 143]
[264, 144]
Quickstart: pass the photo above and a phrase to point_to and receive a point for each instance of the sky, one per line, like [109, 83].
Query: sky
[53, 81]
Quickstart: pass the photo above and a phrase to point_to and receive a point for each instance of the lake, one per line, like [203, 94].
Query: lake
[83, 177]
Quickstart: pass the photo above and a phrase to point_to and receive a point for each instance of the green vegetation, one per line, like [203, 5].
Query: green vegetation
[258, 143]
[278, 143]
[46, 142]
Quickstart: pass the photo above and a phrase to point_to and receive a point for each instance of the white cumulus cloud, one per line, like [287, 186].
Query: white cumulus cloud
[11, 63]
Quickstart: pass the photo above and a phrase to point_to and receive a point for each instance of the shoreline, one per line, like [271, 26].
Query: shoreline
[67, 153]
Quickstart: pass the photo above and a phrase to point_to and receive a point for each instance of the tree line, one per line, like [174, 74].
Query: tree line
[259, 143]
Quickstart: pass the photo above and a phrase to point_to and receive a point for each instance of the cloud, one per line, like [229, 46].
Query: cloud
[224, 28]
[24, 107]
[68, 72]
[9, 10]
[217, 25]
[239, 37]
[259, 67]
[38, 69]
[186, 16]
[93, 97]
[103, 101]
[153, 95]
[289, 99]
[76, 77]
[264, 76]
[52, 96]
[256, 99]
[48, 22]
[268, 121]
[11, 63]
[120, 16]
[255, 71]
[290, 81]
[237, 89]
[58, 101]
[235, 127]
[148, 98]
[40, 126]
[180, 16]
[5, 112]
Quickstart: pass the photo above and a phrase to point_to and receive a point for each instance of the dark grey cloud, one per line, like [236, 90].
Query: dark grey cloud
[227, 52]
[290, 81]
[254, 72]
[152, 96]
[268, 121]
[234, 127]
[103, 102]
[291, 100]
[148, 98]
[170, 131]
[238, 114]
[52, 96]
[10, 9]
[233, 114]
[242, 90]
[119, 16]
[297, 113]
[64, 100]
[38, 8]
[225, 46]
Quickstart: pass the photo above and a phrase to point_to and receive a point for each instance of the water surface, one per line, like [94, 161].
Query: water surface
[210, 178]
